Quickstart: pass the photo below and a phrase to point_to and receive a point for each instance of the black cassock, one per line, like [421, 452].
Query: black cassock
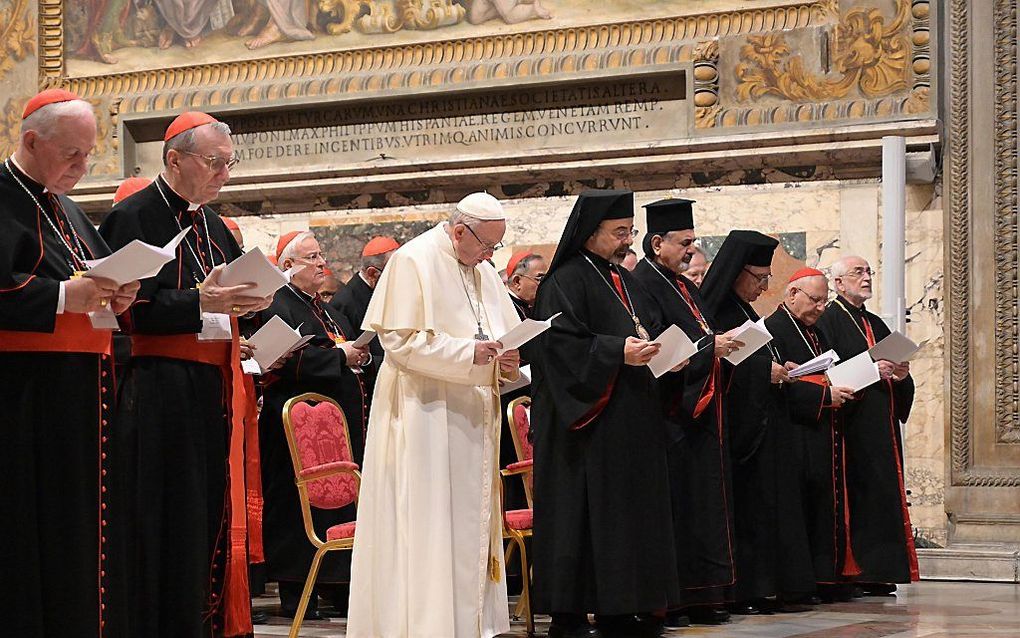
[351, 301]
[603, 538]
[880, 531]
[772, 551]
[172, 431]
[318, 367]
[823, 485]
[699, 463]
[54, 427]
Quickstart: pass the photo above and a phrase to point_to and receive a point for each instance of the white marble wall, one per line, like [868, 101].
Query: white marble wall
[838, 218]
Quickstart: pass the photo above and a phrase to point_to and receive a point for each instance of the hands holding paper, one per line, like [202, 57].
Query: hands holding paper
[780, 374]
[509, 362]
[229, 300]
[356, 356]
[93, 294]
[840, 395]
[894, 371]
[638, 352]
[725, 344]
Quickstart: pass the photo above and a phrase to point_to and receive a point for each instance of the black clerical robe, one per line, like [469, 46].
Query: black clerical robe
[772, 551]
[319, 367]
[352, 301]
[823, 482]
[173, 435]
[698, 454]
[880, 530]
[603, 538]
[56, 387]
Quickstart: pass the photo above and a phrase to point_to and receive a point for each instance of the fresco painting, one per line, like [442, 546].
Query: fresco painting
[117, 36]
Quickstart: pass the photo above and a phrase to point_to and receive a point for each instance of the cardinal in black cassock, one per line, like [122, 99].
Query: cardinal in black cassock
[699, 463]
[603, 539]
[56, 385]
[323, 367]
[772, 553]
[179, 440]
[816, 410]
[880, 529]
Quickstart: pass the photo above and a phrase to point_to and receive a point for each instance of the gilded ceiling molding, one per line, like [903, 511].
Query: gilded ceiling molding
[1007, 363]
[706, 83]
[17, 34]
[405, 65]
[959, 267]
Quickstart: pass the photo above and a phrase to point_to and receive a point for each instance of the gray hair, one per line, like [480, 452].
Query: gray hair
[457, 217]
[842, 265]
[525, 264]
[290, 250]
[184, 142]
[374, 261]
[42, 121]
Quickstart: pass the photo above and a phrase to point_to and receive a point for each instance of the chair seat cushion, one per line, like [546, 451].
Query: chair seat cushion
[519, 465]
[343, 530]
[519, 519]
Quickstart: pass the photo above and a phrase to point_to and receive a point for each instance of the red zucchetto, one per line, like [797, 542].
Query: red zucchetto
[129, 187]
[379, 246]
[805, 272]
[185, 121]
[47, 97]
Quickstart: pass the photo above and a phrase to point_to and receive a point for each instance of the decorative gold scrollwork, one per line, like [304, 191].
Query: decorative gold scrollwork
[17, 34]
[870, 55]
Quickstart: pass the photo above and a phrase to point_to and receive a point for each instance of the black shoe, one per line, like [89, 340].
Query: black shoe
[708, 616]
[879, 589]
[583, 630]
[676, 620]
[744, 609]
[629, 626]
[259, 617]
[856, 592]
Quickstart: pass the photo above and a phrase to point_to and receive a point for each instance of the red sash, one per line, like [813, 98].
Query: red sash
[71, 333]
[226, 355]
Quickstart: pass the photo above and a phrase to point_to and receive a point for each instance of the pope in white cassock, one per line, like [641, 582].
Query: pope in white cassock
[428, 551]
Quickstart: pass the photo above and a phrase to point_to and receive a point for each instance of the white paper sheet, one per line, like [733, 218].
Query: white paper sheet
[104, 320]
[250, 366]
[364, 339]
[676, 348]
[897, 348]
[820, 363]
[753, 336]
[525, 379]
[135, 261]
[855, 373]
[215, 327]
[274, 340]
[524, 332]
[254, 268]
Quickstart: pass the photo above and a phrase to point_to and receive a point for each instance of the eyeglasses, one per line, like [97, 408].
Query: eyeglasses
[860, 271]
[214, 163]
[488, 247]
[537, 278]
[314, 258]
[762, 279]
[818, 301]
[623, 233]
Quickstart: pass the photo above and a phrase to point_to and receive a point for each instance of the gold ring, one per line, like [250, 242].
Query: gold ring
[235, 309]
[102, 303]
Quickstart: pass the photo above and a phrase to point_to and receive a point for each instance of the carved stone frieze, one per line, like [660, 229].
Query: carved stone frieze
[17, 34]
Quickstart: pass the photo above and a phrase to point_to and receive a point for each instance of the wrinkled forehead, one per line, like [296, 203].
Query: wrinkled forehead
[817, 285]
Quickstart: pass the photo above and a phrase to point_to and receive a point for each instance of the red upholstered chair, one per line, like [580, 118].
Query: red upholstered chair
[325, 473]
[517, 523]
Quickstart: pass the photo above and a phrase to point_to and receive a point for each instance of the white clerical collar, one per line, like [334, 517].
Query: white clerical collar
[23, 172]
[191, 206]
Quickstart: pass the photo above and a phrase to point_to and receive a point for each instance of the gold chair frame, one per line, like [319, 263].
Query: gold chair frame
[322, 547]
[517, 537]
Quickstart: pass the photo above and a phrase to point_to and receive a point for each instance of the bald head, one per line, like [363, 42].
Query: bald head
[55, 144]
[806, 297]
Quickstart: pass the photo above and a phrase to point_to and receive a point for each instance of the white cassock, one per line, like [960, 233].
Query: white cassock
[428, 551]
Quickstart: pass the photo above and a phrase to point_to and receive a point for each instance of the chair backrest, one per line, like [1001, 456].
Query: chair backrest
[319, 440]
[519, 418]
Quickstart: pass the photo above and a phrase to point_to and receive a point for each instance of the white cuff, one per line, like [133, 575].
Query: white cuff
[60, 298]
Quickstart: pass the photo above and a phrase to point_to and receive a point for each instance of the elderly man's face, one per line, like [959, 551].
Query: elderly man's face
[806, 298]
[311, 277]
[611, 239]
[696, 268]
[202, 172]
[477, 242]
[674, 249]
[752, 281]
[525, 285]
[63, 152]
[855, 285]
